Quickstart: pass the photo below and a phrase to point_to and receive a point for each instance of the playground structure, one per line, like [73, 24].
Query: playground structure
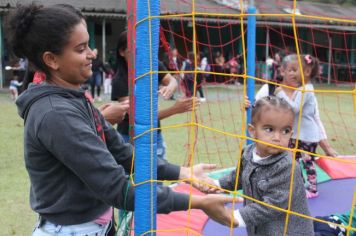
[217, 132]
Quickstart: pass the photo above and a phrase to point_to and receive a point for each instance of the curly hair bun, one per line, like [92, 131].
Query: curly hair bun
[21, 21]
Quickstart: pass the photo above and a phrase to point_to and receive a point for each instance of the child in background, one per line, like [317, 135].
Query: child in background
[14, 85]
[188, 78]
[310, 134]
[292, 81]
[265, 174]
[269, 89]
[108, 79]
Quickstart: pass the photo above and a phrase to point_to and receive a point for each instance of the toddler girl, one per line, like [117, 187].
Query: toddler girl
[309, 135]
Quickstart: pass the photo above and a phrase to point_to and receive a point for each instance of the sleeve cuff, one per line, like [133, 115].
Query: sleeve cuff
[180, 201]
[167, 171]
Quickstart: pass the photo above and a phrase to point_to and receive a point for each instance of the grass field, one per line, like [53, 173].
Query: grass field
[222, 112]
[16, 216]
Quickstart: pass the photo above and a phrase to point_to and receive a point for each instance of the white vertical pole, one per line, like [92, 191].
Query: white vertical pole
[329, 59]
[267, 49]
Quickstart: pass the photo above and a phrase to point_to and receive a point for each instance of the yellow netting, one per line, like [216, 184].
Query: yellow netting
[215, 132]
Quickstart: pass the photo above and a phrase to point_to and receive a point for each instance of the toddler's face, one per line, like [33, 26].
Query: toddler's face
[274, 126]
[292, 75]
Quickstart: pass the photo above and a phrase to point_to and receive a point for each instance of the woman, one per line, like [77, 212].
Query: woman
[76, 161]
[168, 84]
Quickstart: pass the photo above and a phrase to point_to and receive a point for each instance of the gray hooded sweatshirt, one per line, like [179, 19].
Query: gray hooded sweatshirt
[76, 176]
[268, 181]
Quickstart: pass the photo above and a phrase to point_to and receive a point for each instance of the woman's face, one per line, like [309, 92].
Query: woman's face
[75, 62]
[125, 54]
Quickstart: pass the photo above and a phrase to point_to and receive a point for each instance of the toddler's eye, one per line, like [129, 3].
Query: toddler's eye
[287, 131]
[268, 129]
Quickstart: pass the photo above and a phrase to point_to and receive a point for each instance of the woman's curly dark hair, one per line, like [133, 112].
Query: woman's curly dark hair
[34, 29]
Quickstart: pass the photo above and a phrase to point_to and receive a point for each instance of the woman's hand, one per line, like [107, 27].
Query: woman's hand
[186, 104]
[114, 112]
[180, 106]
[169, 85]
[214, 206]
[166, 91]
[199, 179]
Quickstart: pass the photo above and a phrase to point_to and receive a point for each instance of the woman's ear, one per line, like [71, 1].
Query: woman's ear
[251, 130]
[50, 60]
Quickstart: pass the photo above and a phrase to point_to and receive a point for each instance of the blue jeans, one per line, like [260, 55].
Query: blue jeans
[96, 81]
[322, 229]
[161, 145]
[85, 229]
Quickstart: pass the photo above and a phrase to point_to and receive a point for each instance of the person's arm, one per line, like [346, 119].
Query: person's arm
[214, 206]
[324, 144]
[274, 192]
[71, 138]
[228, 181]
[120, 88]
[17, 83]
[74, 142]
[327, 148]
[262, 92]
[167, 200]
[320, 124]
[169, 86]
[103, 67]
[180, 106]
[114, 112]
[296, 102]
[116, 146]
[183, 69]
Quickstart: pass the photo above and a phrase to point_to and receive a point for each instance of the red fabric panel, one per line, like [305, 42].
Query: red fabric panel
[181, 223]
[193, 220]
[338, 170]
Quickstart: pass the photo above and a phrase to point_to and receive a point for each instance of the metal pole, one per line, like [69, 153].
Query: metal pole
[266, 53]
[91, 29]
[104, 40]
[329, 59]
[251, 59]
[1, 55]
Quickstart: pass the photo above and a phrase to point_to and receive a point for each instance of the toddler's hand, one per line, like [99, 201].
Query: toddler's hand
[247, 103]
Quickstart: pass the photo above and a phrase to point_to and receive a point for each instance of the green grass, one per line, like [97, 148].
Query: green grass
[222, 112]
[16, 216]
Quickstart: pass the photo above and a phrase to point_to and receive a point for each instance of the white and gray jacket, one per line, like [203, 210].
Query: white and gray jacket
[268, 181]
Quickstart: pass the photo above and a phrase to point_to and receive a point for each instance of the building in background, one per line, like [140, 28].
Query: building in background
[336, 41]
